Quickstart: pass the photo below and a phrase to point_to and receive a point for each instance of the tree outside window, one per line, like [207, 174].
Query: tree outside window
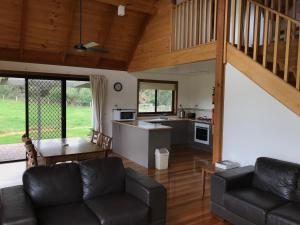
[157, 97]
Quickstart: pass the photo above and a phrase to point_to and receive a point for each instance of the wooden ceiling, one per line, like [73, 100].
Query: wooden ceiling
[46, 31]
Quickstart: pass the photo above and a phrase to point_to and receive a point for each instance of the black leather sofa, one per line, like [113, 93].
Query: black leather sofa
[268, 193]
[95, 192]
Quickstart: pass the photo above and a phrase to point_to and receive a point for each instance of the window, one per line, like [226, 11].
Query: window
[157, 97]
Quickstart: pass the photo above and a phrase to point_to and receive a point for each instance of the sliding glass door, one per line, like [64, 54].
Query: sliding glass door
[79, 109]
[58, 108]
[45, 108]
[12, 118]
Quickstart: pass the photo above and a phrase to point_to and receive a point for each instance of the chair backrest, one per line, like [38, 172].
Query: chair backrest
[104, 141]
[94, 136]
[31, 155]
[53, 185]
[102, 176]
[278, 177]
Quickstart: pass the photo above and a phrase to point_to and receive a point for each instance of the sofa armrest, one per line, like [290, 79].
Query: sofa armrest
[149, 192]
[16, 207]
[228, 180]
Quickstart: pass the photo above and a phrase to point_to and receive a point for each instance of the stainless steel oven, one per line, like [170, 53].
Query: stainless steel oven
[202, 133]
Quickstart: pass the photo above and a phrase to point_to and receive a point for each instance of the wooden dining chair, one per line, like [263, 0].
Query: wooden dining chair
[105, 142]
[31, 156]
[94, 136]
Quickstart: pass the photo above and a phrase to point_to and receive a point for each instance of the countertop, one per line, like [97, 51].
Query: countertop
[144, 125]
[154, 123]
[157, 120]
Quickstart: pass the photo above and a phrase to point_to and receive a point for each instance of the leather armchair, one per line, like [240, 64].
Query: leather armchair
[266, 194]
[230, 180]
[95, 192]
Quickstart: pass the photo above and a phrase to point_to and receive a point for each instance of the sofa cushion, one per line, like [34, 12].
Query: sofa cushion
[102, 176]
[278, 177]
[252, 204]
[54, 185]
[119, 209]
[71, 214]
[288, 214]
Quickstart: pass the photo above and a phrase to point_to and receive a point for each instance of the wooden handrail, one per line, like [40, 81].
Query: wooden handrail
[259, 32]
[194, 24]
[289, 8]
[275, 12]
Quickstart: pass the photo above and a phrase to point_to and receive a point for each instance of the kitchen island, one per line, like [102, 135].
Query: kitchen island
[137, 140]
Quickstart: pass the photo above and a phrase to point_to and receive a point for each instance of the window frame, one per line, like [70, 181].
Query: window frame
[174, 97]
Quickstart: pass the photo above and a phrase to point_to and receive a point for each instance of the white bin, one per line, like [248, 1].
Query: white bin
[161, 158]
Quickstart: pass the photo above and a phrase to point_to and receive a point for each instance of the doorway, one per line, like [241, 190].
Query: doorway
[12, 118]
[43, 107]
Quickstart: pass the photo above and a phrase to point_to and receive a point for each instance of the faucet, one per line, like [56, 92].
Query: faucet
[163, 116]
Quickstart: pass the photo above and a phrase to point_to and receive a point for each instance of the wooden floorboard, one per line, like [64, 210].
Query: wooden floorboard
[183, 184]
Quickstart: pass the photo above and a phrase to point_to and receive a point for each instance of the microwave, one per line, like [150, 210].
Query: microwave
[124, 114]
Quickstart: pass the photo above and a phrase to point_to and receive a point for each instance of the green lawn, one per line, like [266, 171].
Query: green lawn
[12, 121]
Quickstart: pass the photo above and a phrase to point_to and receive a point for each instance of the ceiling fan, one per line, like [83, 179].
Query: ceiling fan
[89, 46]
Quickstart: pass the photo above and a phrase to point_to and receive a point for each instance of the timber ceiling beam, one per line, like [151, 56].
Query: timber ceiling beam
[71, 17]
[134, 5]
[107, 34]
[23, 26]
[53, 58]
[138, 38]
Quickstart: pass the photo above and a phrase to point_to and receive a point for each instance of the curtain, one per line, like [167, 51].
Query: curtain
[98, 88]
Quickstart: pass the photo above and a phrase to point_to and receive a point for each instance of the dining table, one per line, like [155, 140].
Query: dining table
[57, 150]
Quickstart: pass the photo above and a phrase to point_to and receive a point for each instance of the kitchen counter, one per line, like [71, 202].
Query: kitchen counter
[157, 120]
[183, 132]
[137, 140]
[146, 125]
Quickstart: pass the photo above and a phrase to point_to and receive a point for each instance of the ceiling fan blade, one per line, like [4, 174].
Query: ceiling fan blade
[91, 44]
[99, 50]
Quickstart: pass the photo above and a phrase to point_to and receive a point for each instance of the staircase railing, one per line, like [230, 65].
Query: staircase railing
[194, 23]
[287, 7]
[267, 36]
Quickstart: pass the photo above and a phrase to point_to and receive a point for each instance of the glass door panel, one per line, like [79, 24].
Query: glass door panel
[12, 119]
[79, 108]
[45, 109]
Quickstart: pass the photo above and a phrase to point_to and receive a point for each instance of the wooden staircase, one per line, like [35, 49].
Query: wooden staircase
[272, 53]
[261, 40]
[293, 52]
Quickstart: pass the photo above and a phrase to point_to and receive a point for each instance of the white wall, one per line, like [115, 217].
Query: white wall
[256, 124]
[200, 90]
